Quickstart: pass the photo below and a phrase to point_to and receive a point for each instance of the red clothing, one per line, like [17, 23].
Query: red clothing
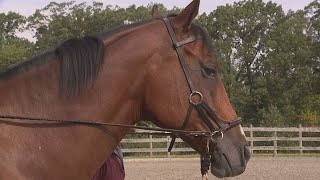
[110, 170]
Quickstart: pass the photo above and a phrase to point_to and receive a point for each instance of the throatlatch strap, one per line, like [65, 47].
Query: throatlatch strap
[185, 122]
[173, 140]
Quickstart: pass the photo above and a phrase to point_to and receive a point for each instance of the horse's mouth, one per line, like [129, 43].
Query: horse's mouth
[221, 167]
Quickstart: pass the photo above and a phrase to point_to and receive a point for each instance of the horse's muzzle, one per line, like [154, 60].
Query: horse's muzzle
[228, 163]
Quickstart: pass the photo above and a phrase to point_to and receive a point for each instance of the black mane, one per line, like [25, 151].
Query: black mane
[81, 60]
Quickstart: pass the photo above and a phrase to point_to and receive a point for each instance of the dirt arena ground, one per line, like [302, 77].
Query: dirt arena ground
[264, 168]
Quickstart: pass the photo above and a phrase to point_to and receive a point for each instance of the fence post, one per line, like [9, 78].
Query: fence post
[275, 144]
[300, 139]
[168, 144]
[151, 153]
[251, 138]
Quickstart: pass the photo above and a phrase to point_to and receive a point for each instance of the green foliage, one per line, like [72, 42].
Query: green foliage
[272, 116]
[60, 21]
[310, 114]
[9, 24]
[12, 48]
[267, 59]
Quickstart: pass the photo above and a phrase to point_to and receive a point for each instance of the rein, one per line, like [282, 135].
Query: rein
[94, 123]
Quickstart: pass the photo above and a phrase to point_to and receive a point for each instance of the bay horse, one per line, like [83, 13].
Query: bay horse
[142, 71]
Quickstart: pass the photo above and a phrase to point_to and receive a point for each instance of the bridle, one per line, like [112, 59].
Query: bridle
[206, 113]
[204, 110]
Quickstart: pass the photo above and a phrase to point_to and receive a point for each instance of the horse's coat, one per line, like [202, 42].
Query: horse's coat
[131, 75]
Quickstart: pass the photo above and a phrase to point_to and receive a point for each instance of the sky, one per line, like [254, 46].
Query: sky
[28, 7]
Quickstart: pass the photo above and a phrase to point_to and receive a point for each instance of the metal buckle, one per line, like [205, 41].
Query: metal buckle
[216, 136]
[200, 98]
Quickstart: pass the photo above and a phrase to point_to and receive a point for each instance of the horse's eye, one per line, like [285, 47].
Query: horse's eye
[209, 71]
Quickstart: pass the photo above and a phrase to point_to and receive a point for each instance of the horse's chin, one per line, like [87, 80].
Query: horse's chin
[221, 168]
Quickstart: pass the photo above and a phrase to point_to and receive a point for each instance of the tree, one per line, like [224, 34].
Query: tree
[310, 112]
[265, 58]
[12, 48]
[60, 21]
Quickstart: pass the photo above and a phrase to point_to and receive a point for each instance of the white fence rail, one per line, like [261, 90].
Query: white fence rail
[273, 137]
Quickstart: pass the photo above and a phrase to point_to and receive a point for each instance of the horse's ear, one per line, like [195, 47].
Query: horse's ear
[155, 11]
[185, 18]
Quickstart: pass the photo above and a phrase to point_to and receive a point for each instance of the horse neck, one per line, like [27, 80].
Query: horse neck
[29, 92]
[36, 93]
[116, 96]
[129, 56]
